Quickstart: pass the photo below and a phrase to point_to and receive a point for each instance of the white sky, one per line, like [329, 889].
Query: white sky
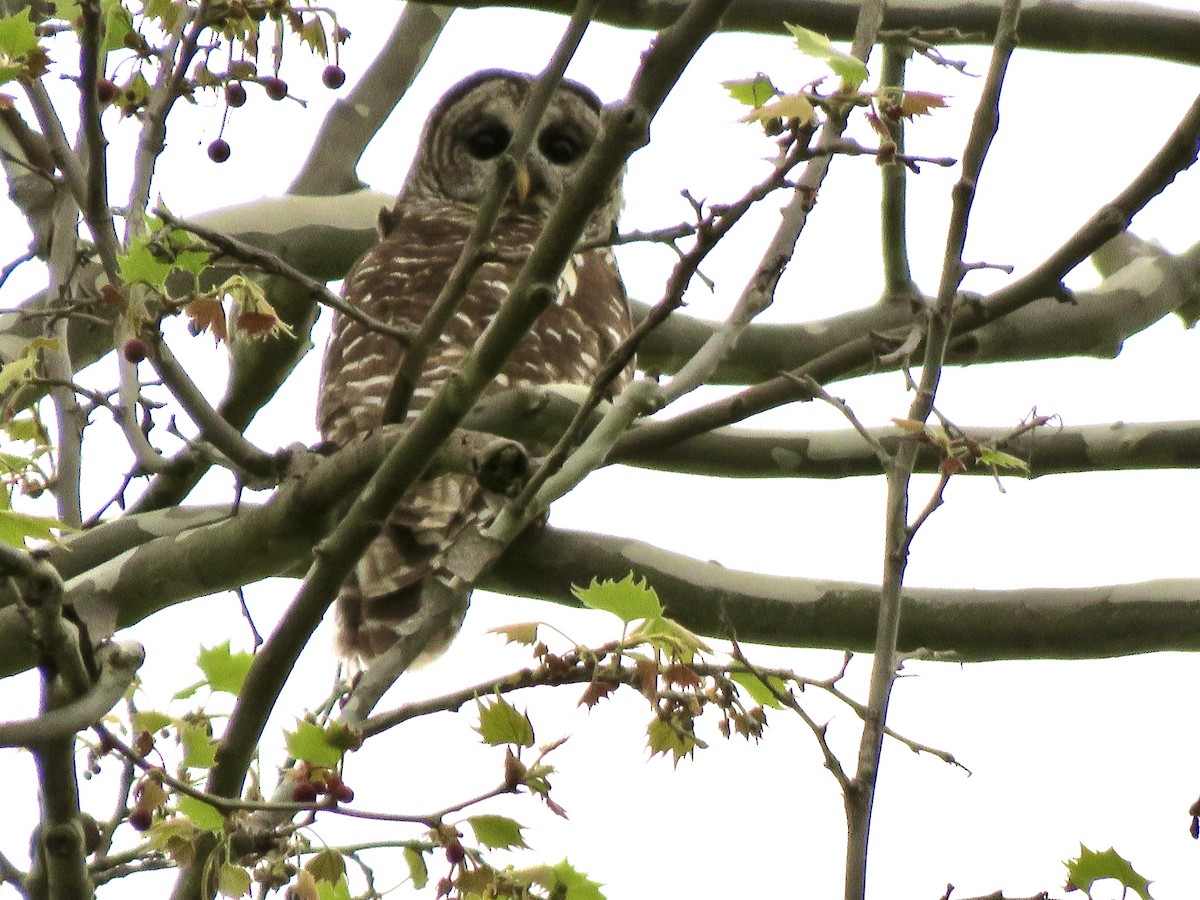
[1061, 752]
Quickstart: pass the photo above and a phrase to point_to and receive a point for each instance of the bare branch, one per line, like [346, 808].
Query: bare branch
[118, 667]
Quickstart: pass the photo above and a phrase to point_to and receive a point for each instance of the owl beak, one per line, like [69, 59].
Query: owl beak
[522, 183]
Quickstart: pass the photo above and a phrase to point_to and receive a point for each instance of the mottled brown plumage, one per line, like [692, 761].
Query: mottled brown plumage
[399, 278]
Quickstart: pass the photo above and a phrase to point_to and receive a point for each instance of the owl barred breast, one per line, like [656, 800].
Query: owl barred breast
[398, 280]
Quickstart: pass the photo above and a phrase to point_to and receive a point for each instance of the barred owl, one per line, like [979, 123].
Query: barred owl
[397, 282]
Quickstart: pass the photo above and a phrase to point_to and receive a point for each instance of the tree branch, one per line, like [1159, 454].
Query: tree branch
[118, 667]
[1069, 26]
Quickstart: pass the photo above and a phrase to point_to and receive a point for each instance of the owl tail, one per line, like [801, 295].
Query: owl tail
[421, 619]
[384, 602]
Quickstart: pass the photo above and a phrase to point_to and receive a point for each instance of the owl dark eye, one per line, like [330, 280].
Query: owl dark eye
[488, 142]
[559, 147]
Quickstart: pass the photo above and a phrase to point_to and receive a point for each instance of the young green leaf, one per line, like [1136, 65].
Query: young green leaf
[199, 749]
[751, 91]
[671, 638]
[118, 24]
[662, 737]
[328, 865]
[1001, 460]
[193, 261]
[188, 692]
[224, 670]
[313, 34]
[150, 720]
[339, 890]
[15, 527]
[759, 692]
[497, 832]
[627, 599]
[141, 265]
[417, 870]
[789, 106]
[577, 885]
[66, 10]
[176, 837]
[311, 743]
[500, 723]
[18, 35]
[521, 633]
[26, 428]
[23, 367]
[233, 881]
[201, 814]
[1090, 867]
[852, 71]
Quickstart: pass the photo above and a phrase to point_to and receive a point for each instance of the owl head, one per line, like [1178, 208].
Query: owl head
[470, 128]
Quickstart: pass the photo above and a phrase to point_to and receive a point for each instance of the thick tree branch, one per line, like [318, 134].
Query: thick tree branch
[118, 667]
[1070, 26]
[950, 624]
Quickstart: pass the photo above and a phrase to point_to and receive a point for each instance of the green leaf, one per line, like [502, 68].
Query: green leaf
[500, 723]
[168, 13]
[26, 428]
[201, 814]
[199, 749]
[751, 91]
[328, 865]
[311, 743]
[313, 34]
[789, 106]
[339, 890]
[853, 72]
[663, 738]
[522, 633]
[1001, 460]
[12, 464]
[671, 638]
[15, 527]
[18, 35]
[67, 10]
[140, 265]
[150, 720]
[497, 832]
[175, 837]
[118, 23]
[233, 880]
[193, 261]
[224, 670]
[1091, 867]
[188, 692]
[417, 870]
[758, 690]
[578, 886]
[627, 599]
[22, 368]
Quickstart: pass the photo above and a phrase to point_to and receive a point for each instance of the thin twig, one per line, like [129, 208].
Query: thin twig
[273, 264]
[174, 62]
[860, 799]
[893, 213]
[248, 458]
[711, 228]
[96, 210]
